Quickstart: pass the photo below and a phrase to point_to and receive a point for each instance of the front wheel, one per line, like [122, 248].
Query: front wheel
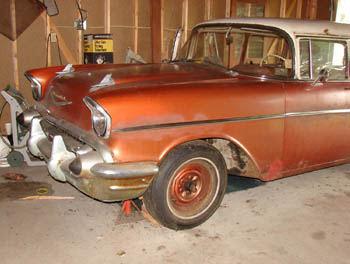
[189, 187]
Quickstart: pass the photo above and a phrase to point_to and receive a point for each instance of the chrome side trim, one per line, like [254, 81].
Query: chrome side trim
[201, 122]
[232, 120]
[320, 112]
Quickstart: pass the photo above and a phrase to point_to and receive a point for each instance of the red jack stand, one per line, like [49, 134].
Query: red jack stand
[126, 207]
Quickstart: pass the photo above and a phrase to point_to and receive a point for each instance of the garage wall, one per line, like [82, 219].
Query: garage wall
[218, 9]
[31, 46]
[122, 27]
[172, 21]
[6, 72]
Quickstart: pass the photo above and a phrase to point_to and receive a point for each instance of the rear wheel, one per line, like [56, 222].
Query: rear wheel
[189, 187]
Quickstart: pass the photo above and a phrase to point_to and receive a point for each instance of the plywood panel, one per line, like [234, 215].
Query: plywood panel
[96, 12]
[64, 23]
[196, 11]
[274, 9]
[323, 10]
[70, 36]
[145, 46]
[31, 54]
[172, 14]
[122, 12]
[6, 76]
[172, 21]
[122, 28]
[68, 13]
[219, 8]
[94, 30]
[122, 39]
[144, 14]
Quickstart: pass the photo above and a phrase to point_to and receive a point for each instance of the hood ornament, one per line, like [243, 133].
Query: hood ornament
[106, 81]
[68, 69]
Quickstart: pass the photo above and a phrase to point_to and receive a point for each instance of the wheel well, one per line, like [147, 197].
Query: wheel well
[237, 160]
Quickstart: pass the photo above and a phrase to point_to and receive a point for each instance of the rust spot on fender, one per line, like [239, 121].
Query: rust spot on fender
[274, 171]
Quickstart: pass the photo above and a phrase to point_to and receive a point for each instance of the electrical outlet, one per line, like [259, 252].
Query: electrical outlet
[53, 37]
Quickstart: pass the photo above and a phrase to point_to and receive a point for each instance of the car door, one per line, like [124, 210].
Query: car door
[318, 112]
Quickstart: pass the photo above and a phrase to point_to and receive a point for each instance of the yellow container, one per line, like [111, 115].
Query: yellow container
[98, 48]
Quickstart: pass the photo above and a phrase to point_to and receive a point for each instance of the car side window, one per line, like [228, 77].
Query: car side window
[323, 54]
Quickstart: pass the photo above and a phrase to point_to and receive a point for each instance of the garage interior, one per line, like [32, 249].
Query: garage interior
[299, 219]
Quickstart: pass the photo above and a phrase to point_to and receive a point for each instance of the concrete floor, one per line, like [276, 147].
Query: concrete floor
[301, 219]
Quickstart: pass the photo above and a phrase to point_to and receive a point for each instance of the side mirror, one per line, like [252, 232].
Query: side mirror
[51, 7]
[176, 44]
[322, 77]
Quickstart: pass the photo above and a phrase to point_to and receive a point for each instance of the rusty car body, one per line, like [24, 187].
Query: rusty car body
[261, 98]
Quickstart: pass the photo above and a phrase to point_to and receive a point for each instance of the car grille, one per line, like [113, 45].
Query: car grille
[72, 143]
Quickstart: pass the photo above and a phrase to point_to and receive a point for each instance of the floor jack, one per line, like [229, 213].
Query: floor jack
[20, 135]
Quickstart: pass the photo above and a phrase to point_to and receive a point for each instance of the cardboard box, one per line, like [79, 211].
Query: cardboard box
[98, 48]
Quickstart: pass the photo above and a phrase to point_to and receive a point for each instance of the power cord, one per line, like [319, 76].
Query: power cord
[81, 12]
[47, 49]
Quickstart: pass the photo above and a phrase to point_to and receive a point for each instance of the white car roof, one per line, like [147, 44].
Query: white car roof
[293, 27]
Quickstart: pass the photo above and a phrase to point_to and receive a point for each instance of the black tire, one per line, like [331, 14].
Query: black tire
[189, 187]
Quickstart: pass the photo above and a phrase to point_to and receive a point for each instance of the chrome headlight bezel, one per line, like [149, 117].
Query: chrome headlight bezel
[98, 114]
[36, 86]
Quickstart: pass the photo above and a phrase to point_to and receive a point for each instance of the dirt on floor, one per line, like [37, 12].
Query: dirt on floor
[300, 219]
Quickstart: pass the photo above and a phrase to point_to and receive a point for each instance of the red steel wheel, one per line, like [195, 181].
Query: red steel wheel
[192, 187]
[189, 187]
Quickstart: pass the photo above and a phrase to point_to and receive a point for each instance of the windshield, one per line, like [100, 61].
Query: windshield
[245, 50]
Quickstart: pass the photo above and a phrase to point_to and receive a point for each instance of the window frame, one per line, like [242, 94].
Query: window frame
[334, 40]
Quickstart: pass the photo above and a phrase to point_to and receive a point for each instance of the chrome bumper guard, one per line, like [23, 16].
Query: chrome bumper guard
[85, 169]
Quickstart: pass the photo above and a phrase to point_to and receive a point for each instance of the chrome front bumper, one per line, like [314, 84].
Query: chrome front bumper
[70, 160]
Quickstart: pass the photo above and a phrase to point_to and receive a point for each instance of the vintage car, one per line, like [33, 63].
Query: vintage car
[260, 98]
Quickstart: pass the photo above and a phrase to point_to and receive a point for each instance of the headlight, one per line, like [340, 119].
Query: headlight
[101, 121]
[36, 86]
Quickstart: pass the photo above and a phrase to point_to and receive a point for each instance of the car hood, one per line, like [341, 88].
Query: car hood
[64, 95]
[132, 76]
